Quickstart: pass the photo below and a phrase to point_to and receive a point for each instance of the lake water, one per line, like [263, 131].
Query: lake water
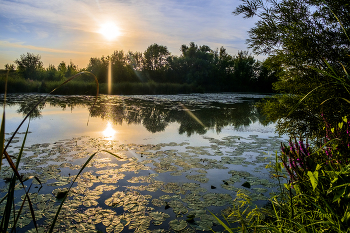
[178, 156]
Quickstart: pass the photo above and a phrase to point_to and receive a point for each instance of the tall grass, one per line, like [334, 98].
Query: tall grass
[12, 213]
[317, 196]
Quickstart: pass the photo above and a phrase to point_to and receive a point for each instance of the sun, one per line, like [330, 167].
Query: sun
[109, 30]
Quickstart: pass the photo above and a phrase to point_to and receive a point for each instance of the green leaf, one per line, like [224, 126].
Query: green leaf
[318, 167]
[287, 186]
[345, 119]
[346, 216]
[297, 189]
[313, 178]
[340, 125]
[338, 194]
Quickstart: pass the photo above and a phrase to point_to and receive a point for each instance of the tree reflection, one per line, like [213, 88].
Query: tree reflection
[155, 115]
[29, 107]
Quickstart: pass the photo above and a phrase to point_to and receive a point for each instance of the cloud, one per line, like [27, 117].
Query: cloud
[71, 26]
[7, 44]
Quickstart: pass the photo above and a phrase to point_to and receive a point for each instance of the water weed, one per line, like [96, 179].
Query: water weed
[10, 215]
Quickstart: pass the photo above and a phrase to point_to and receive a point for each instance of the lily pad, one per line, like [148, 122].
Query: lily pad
[177, 225]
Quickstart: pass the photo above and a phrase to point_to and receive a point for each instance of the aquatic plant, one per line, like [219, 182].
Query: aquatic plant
[11, 215]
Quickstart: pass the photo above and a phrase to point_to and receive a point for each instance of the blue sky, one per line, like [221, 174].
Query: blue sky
[68, 30]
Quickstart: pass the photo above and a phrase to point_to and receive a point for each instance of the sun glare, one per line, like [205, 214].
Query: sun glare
[109, 30]
[109, 132]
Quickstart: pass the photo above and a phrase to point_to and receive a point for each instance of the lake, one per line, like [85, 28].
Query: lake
[174, 158]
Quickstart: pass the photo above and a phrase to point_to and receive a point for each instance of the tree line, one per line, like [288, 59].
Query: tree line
[211, 70]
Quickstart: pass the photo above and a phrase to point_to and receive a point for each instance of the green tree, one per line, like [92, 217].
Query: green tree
[155, 57]
[155, 62]
[244, 71]
[62, 68]
[302, 37]
[134, 62]
[99, 67]
[119, 67]
[71, 70]
[199, 64]
[51, 74]
[224, 67]
[29, 66]
[10, 67]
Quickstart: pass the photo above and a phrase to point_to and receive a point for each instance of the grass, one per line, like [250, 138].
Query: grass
[78, 87]
[11, 212]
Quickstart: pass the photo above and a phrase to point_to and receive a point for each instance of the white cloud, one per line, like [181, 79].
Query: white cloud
[7, 44]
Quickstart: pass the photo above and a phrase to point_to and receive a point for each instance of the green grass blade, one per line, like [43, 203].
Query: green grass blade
[341, 25]
[10, 196]
[20, 211]
[302, 99]
[221, 223]
[7, 212]
[2, 130]
[117, 156]
[15, 171]
[64, 198]
[80, 171]
[22, 147]
[3, 198]
[2, 136]
[345, 71]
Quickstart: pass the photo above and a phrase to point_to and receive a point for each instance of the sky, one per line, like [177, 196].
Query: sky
[71, 30]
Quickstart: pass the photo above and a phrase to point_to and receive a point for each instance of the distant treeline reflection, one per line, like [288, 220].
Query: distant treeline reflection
[155, 116]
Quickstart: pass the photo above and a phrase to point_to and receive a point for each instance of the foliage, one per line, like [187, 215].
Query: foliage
[155, 57]
[313, 78]
[209, 70]
[29, 66]
[305, 42]
[317, 196]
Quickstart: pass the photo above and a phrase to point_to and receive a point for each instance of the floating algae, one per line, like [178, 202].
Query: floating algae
[137, 193]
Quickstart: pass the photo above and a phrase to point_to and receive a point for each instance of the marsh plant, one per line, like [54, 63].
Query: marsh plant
[13, 213]
[317, 196]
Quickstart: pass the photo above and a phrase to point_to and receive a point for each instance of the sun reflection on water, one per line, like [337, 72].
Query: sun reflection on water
[109, 133]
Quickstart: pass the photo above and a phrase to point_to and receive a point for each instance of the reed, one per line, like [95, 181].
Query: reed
[12, 213]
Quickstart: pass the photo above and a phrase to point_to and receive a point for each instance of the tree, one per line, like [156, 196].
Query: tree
[62, 68]
[71, 70]
[199, 63]
[155, 57]
[10, 67]
[244, 71]
[29, 66]
[51, 74]
[99, 67]
[119, 66]
[155, 61]
[305, 39]
[224, 69]
[134, 61]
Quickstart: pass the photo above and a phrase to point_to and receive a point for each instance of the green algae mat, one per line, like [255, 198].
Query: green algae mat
[166, 187]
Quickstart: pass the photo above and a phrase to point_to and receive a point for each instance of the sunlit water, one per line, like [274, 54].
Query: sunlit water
[182, 155]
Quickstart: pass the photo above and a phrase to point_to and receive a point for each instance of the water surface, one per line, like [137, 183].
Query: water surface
[181, 155]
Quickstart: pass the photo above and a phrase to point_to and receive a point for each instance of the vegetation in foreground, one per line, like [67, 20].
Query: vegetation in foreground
[308, 44]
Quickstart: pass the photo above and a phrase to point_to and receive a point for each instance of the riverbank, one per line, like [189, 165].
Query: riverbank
[85, 85]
